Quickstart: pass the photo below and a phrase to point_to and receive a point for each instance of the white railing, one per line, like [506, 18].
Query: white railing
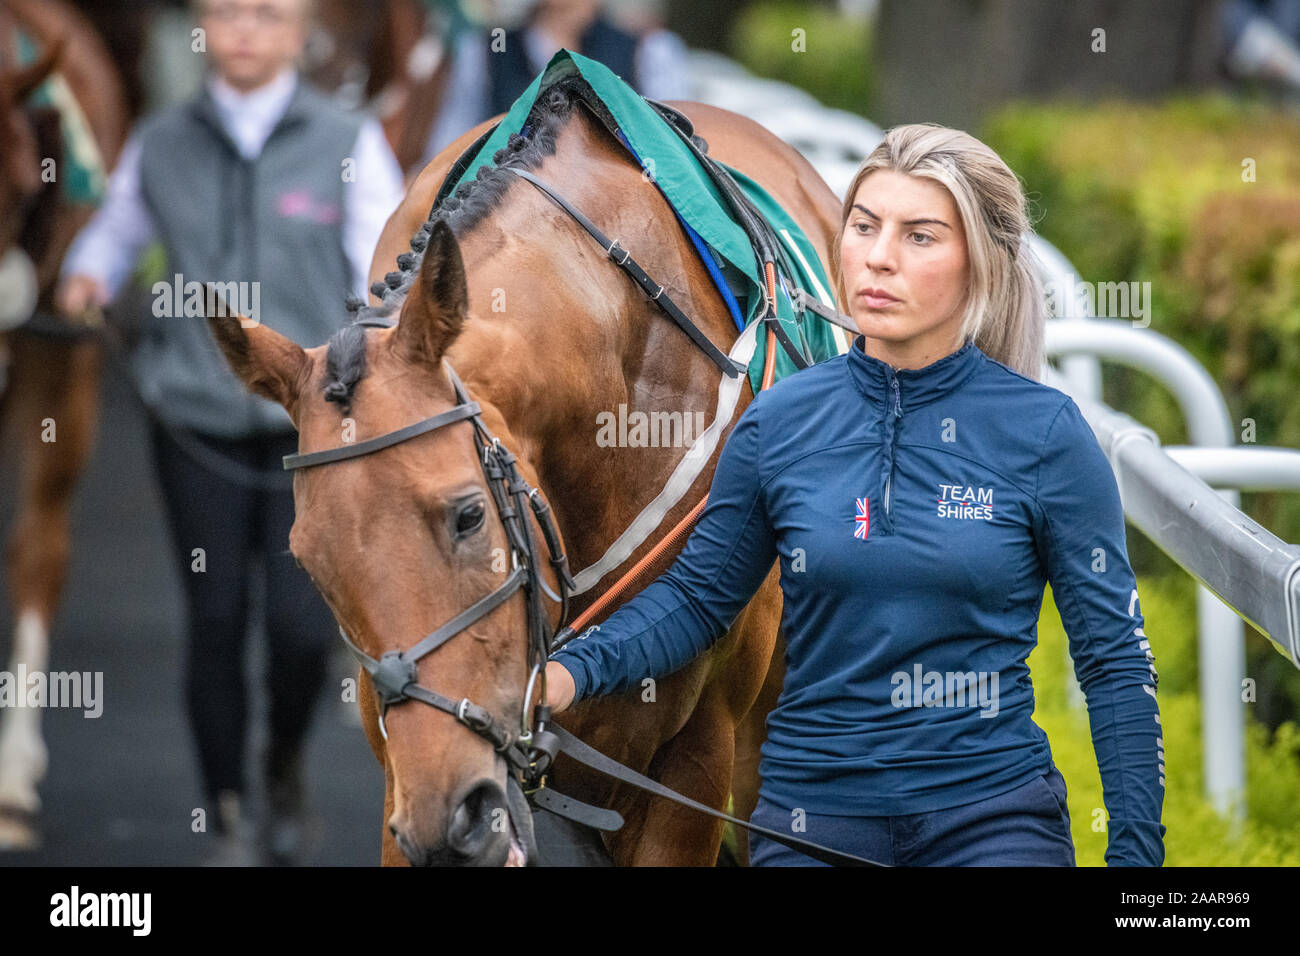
[1245, 572]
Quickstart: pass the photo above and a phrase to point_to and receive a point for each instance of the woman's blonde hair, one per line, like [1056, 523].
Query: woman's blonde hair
[1004, 307]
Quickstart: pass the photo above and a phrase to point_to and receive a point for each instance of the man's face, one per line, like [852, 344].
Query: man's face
[250, 41]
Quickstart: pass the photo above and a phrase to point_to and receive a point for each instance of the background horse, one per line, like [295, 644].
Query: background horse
[389, 55]
[546, 334]
[50, 392]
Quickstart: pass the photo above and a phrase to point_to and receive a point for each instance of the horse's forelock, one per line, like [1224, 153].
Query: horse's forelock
[345, 365]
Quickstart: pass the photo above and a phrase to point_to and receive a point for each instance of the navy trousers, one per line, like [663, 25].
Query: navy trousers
[1027, 826]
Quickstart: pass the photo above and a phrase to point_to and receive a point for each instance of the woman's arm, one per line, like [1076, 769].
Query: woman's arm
[1079, 528]
[693, 603]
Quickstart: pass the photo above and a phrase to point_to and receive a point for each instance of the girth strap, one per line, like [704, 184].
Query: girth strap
[623, 259]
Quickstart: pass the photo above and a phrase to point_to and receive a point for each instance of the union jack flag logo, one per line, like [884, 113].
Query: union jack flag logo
[862, 523]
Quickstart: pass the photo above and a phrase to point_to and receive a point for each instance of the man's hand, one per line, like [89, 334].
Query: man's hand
[559, 686]
[80, 294]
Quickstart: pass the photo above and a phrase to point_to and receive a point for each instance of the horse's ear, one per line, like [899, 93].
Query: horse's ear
[268, 363]
[436, 306]
[23, 83]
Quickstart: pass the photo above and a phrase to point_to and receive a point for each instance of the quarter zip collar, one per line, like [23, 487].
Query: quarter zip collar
[905, 389]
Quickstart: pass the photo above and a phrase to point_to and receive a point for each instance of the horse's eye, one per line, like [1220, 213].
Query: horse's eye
[470, 518]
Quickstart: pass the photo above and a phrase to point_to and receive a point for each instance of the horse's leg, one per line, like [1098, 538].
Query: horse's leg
[759, 627]
[698, 761]
[56, 381]
[750, 734]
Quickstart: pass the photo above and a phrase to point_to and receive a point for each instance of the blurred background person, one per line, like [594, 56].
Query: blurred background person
[260, 180]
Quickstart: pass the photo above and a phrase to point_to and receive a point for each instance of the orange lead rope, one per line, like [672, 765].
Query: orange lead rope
[684, 526]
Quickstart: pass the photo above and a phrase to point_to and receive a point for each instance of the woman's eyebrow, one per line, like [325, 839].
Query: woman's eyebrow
[906, 222]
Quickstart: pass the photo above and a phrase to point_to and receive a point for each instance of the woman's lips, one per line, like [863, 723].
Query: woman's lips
[876, 298]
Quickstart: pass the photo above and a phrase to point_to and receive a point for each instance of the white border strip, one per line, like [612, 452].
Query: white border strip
[683, 476]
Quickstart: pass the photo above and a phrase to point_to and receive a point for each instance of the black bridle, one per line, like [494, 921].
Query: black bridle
[394, 674]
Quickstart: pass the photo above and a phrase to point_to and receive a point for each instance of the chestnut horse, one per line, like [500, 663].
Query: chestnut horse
[546, 334]
[50, 392]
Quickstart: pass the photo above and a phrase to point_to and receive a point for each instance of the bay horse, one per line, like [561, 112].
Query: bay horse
[512, 295]
[50, 393]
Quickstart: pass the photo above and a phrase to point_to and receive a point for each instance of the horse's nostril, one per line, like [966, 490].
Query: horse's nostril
[478, 820]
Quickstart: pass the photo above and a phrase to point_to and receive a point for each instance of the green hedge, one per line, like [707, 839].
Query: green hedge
[834, 66]
[1158, 194]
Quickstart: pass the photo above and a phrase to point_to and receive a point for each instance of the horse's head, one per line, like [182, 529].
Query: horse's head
[401, 540]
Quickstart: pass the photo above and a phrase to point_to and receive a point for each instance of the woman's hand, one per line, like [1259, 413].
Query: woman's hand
[559, 687]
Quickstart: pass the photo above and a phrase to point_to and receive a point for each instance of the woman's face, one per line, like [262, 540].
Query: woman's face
[905, 268]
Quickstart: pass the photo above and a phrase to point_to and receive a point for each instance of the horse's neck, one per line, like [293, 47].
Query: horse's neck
[554, 418]
[560, 383]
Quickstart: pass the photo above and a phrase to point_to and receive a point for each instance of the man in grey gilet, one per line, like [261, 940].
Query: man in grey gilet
[263, 184]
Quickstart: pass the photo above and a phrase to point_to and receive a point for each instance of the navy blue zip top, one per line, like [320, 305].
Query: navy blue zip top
[917, 515]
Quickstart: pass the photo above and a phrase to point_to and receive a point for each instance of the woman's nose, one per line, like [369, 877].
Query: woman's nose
[881, 254]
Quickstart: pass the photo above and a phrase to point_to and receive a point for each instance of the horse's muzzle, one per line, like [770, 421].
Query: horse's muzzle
[479, 832]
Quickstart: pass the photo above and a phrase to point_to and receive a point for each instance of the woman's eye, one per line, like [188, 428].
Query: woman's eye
[470, 518]
[862, 227]
[922, 239]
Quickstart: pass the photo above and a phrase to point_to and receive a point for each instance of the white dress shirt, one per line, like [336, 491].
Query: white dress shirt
[108, 247]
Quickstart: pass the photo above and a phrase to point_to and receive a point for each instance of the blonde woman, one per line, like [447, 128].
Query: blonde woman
[919, 491]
